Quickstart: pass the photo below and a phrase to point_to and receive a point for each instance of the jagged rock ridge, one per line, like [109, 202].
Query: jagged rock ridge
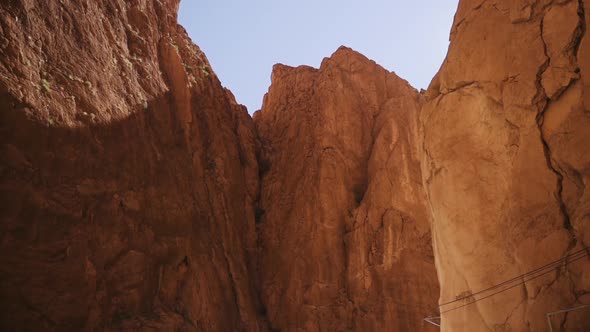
[345, 239]
[137, 194]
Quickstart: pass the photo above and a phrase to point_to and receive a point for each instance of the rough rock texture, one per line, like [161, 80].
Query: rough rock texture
[127, 174]
[343, 220]
[136, 194]
[507, 163]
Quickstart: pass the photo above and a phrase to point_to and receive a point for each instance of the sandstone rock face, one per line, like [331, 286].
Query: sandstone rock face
[506, 164]
[127, 174]
[343, 219]
[136, 194]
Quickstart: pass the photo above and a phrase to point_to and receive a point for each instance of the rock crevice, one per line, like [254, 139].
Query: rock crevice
[137, 194]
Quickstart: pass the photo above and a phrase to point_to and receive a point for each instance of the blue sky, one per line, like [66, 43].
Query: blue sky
[243, 39]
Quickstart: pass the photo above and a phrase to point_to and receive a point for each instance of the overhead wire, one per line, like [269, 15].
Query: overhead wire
[549, 266]
[522, 279]
[508, 288]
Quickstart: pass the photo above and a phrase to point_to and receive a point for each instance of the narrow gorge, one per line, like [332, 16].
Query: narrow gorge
[137, 194]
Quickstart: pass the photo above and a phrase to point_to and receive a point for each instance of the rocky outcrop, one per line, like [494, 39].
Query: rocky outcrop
[343, 220]
[136, 194]
[127, 174]
[129, 184]
[507, 163]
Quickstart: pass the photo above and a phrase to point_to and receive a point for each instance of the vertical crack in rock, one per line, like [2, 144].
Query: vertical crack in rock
[228, 264]
[559, 185]
[581, 29]
[543, 102]
[344, 242]
[563, 322]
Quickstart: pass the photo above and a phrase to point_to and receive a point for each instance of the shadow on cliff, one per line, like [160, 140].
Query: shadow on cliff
[138, 223]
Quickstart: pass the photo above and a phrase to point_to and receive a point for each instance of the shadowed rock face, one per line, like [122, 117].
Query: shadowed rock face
[136, 194]
[507, 162]
[127, 174]
[344, 228]
[129, 178]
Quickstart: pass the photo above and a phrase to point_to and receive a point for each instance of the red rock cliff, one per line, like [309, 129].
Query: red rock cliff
[127, 174]
[343, 220]
[507, 165]
[136, 194]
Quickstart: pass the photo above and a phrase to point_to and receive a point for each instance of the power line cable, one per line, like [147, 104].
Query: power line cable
[583, 252]
[511, 287]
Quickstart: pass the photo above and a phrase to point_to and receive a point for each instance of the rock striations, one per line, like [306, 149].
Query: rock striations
[136, 194]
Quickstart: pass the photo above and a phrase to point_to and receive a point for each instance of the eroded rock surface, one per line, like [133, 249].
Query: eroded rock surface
[507, 163]
[343, 221]
[127, 178]
[136, 194]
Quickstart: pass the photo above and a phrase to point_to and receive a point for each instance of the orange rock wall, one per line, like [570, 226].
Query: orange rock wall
[344, 224]
[506, 163]
[135, 193]
[127, 176]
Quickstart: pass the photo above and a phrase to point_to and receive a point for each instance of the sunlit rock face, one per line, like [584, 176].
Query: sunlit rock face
[506, 163]
[136, 194]
[130, 184]
[343, 220]
[127, 174]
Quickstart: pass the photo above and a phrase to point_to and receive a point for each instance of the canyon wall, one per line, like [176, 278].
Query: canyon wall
[506, 165]
[343, 219]
[136, 194]
[128, 175]
[130, 192]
